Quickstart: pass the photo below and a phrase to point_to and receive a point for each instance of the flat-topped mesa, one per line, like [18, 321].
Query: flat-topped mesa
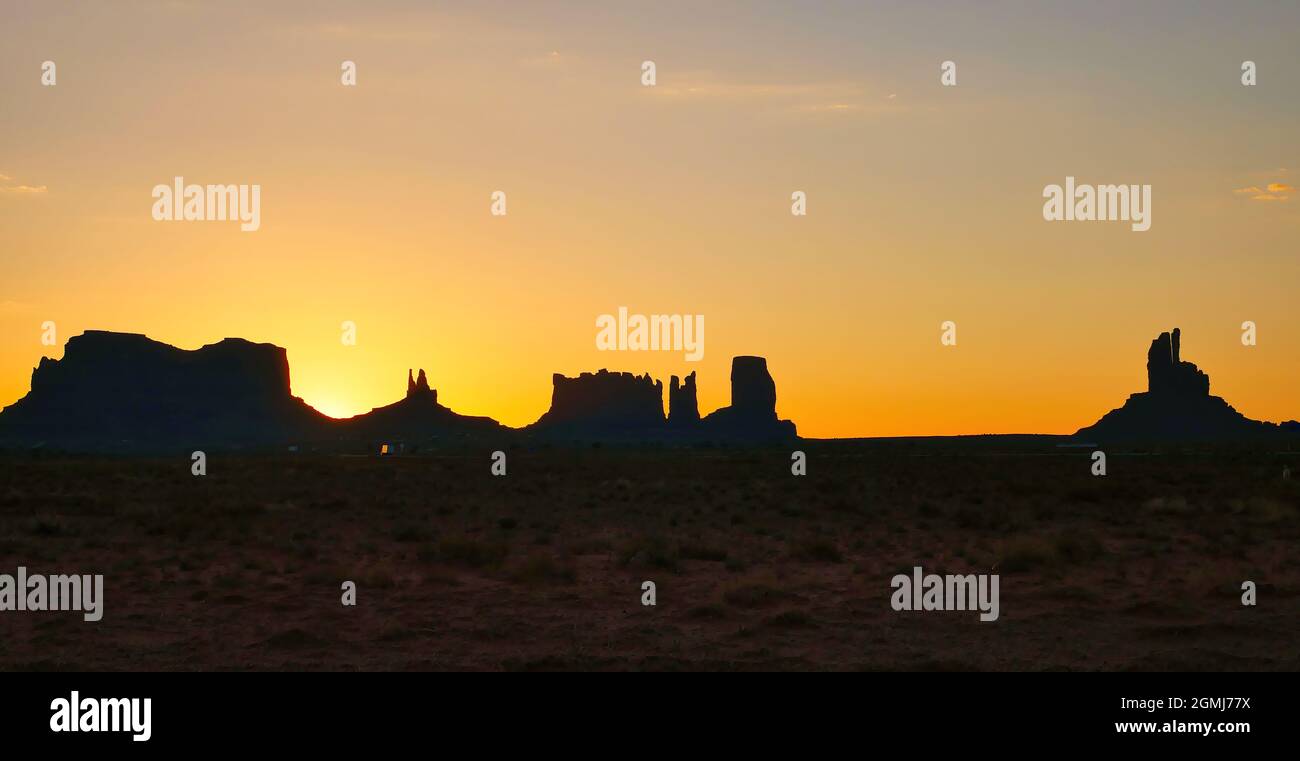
[420, 387]
[100, 363]
[683, 404]
[605, 401]
[124, 391]
[1168, 374]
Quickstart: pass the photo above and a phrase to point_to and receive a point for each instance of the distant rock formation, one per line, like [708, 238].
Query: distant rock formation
[683, 405]
[1167, 374]
[416, 420]
[623, 406]
[123, 391]
[1176, 406]
[752, 414]
[752, 389]
[420, 387]
[604, 403]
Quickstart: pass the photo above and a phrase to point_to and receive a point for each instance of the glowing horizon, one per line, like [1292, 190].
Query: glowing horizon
[924, 202]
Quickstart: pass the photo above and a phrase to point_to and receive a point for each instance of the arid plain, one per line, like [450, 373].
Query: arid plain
[754, 568]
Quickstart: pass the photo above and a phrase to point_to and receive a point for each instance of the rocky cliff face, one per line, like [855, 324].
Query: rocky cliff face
[1177, 405]
[133, 367]
[753, 392]
[683, 404]
[607, 405]
[126, 391]
[604, 403]
[752, 414]
[1168, 374]
[420, 388]
[626, 406]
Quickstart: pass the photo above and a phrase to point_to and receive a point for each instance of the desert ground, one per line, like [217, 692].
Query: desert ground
[755, 568]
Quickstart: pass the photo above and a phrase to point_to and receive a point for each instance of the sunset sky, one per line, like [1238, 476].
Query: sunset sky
[924, 202]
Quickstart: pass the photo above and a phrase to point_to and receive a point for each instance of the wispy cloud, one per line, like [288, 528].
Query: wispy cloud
[1273, 191]
[8, 189]
[24, 190]
[833, 97]
[702, 85]
[830, 108]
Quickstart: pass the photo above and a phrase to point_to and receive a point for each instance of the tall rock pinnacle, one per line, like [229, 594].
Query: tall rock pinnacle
[1168, 374]
[683, 404]
[419, 386]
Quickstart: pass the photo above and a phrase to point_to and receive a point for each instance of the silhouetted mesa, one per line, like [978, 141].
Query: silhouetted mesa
[1177, 405]
[123, 391]
[604, 403]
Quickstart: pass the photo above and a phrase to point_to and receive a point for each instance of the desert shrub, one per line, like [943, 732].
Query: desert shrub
[752, 593]
[1168, 505]
[791, 619]
[1078, 546]
[700, 551]
[541, 568]
[1026, 554]
[706, 612]
[817, 551]
[474, 553]
[49, 525]
[377, 578]
[652, 551]
[971, 517]
[412, 533]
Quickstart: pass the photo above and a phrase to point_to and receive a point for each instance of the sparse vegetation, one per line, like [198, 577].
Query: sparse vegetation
[754, 568]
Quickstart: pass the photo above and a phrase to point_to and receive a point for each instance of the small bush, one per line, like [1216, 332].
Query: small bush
[543, 569]
[1026, 554]
[817, 551]
[473, 553]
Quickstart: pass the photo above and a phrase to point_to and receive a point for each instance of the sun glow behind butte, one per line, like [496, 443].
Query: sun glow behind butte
[375, 200]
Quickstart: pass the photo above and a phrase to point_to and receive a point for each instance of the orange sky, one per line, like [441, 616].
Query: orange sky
[924, 202]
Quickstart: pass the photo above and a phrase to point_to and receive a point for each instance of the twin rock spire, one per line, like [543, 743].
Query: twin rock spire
[419, 386]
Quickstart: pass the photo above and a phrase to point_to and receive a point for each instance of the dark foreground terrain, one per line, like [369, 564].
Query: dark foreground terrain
[755, 568]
